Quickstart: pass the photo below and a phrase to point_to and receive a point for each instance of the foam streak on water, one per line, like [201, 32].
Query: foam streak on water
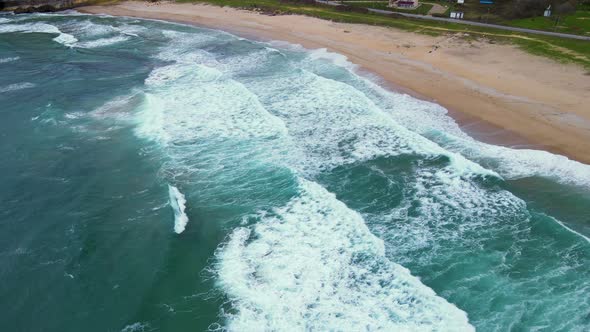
[16, 87]
[62, 38]
[178, 204]
[102, 42]
[5, 60]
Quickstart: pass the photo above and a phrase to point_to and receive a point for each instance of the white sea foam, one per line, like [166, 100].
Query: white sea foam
[65, 39]
[569, 229]
[4, 20]
[519, 163]
[117, 108]
[62, 38]
[189, 101]
[187, 48]
[16, 86]
[178, 204]
[86, 29]
[74, 115]
[322, 138]
[434, 202]
[424, 118]
[102, 42]
[314, 265]
[130, 29]
[335, 58]
[137, 327]
[11, 59]
[336, 124]
[358, 129]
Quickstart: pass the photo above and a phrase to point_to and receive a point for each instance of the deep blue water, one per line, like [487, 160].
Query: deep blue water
[160, 177]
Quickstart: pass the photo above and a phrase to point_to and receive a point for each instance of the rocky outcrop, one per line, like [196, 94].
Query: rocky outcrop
[29, 6]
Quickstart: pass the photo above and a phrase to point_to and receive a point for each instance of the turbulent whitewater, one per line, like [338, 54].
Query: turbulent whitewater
[178, 204]
[317, 200]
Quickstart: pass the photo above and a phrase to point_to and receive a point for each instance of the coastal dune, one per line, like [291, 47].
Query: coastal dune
[497, 93]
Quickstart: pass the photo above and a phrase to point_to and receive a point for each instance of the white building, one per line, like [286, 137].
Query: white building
[404, 3]
[456, 15]
[547, 11]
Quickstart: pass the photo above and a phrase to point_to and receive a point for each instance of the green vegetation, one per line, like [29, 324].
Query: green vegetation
[560, 49]
[575, 23]
[474, 11]
[372, 4]
[508, 11]
[423, 9]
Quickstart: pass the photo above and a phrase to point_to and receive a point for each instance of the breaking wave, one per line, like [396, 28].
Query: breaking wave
[314, 265]
[62, 38]
[229, 117]
[178, 204]
[102, 42]
[432, 121]
[199, 114]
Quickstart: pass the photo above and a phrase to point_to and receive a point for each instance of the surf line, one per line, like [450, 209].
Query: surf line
[178, 204]
[568, 228]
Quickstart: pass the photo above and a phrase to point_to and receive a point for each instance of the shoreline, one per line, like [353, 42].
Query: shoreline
[497, 94]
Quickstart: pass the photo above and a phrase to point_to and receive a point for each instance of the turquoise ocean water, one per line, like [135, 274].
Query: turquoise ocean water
[160, 177]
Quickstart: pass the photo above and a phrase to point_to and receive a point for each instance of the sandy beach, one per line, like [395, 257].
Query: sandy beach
[498, 93]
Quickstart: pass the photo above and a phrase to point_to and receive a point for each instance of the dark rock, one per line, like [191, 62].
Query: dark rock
[42, 6]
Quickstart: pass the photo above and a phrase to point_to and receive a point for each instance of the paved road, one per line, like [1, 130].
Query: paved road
[486, 25]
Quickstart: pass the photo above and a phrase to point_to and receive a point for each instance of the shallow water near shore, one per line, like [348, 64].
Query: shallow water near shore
[161, 177]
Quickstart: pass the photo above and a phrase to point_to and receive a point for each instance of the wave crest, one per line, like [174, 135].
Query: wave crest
[314, 265]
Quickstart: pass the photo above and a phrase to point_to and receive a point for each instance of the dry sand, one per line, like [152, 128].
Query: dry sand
[498, 93]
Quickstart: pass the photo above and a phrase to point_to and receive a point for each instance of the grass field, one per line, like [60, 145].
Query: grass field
[559, 49]
[423, 9]
[576, 23]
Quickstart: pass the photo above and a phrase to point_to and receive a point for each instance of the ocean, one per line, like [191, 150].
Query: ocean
[162, 177]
